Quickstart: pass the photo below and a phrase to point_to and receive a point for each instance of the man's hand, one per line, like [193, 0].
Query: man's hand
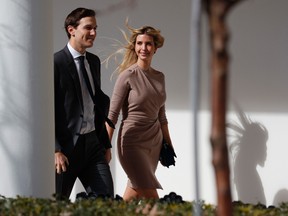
[61, 161]
[108, 155]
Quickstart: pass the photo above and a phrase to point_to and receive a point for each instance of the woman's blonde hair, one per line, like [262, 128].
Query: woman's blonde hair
[130, 56]
[127, 52]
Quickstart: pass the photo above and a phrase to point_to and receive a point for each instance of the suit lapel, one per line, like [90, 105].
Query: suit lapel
[74, 74]
[94, 71]
[102, 100]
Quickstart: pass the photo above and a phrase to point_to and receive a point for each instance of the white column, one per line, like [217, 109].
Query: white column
[26, 99]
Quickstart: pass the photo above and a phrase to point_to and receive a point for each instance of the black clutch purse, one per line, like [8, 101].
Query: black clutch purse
[167, 155]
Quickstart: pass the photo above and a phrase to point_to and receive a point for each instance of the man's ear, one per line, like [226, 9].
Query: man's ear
[71, 30]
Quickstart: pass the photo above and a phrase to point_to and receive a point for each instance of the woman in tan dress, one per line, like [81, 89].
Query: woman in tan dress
[139, 93]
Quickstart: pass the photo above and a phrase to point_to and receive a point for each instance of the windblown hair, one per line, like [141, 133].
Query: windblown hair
[75, 16]
[130, 56]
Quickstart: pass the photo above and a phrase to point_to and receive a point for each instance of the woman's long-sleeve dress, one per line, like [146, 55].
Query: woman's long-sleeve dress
[141, 96]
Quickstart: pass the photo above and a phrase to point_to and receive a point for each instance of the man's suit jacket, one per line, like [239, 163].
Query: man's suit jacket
[69, 102]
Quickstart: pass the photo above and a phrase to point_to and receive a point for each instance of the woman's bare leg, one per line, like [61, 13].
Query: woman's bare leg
[147, 193]
[131, 193]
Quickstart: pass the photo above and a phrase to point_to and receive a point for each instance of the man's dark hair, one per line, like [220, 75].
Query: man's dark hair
[75, 16]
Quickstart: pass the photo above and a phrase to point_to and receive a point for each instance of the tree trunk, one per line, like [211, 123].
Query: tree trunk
[217, 11]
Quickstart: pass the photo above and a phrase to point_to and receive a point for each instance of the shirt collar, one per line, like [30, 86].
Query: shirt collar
[74, 52]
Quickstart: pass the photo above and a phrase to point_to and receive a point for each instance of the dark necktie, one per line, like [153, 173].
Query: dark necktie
[86, 78]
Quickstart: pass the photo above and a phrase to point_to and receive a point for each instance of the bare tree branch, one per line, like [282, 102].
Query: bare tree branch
[217, 11]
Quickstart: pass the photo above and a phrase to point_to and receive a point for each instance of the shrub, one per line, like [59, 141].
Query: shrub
[28, 206]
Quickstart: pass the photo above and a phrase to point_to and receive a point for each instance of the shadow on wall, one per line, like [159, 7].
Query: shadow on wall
[248, 150]
[280, 197]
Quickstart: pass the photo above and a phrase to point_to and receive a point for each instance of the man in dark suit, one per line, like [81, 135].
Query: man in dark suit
[82, 146]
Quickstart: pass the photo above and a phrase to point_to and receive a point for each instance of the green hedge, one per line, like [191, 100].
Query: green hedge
[28, 206]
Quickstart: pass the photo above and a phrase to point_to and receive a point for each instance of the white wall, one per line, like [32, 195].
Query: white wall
[257, 84]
